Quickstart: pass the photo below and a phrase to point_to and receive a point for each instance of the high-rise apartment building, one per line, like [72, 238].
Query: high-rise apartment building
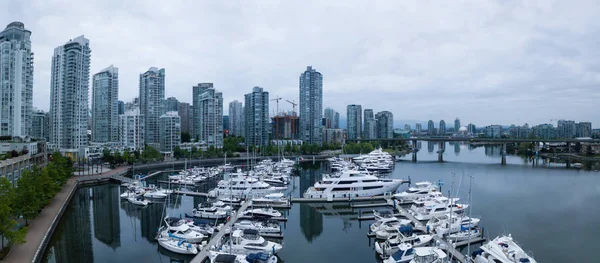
[256, 117]
[152, 94]
[442, 128]
[105, 105]
[171, 104]
[354, 121]
[236, 113]
[39, 125]
[332, 119]
[370, 125]
[430, 128]
[566, 129]
[186, 114]
[384, 125]
[311, 106]
[170, 131]
[418, 129]
[16, 81]
[208, 114]
[456, 125]
[471, 129]
[131, 129]
[69, 91]
[584, 129]
[121, 109]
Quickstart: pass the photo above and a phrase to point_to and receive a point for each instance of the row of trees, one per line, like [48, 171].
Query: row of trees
[35, 190]
[149, 154]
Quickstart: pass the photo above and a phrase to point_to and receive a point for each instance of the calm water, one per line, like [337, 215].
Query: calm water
[550, 210]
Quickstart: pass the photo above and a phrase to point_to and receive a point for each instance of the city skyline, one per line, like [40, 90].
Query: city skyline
[514, 77]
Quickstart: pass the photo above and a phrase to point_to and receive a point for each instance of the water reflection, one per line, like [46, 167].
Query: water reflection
[107, 225]
[75, 237]
[430, 146]
[456, 149]
[311, 222]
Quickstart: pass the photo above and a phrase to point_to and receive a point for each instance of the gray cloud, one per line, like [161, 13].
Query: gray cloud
[483, 61]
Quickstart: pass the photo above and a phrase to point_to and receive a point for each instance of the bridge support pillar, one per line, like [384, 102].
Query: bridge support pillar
[441, 152]
[503, 153]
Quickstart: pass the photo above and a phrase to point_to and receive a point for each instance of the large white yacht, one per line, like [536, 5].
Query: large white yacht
[421, 189]
[438, 206]
[503, 250]
[351, 183]
[249, 241]
[242, 187]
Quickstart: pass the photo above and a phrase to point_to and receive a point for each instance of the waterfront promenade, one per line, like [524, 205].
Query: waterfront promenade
[41, 228]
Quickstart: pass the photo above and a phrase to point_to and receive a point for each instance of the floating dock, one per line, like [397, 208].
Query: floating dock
[339, 200]
[190, 193]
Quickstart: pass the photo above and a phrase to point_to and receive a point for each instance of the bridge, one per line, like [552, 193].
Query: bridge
[475, 140]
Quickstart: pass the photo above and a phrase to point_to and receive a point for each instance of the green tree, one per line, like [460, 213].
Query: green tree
[27, 196]
[107, 156]
[7, 222]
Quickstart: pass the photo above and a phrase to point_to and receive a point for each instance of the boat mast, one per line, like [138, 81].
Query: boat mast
[470, 218]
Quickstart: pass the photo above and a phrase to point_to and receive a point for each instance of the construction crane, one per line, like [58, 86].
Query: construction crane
[294, 104]
[277, 99]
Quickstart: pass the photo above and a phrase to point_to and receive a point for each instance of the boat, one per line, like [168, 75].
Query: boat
[265, 212]
[127, 194]
[249, 241]
[386, 231]
[404, 253]
[429, 255]
[215, 210]
[388, 221]
[261, 257]
[458, 224]
[179, 246]
[155, 193]
[243, 187]
[502, 249]
[351, 183]
[381, 215]
[438, 206]
[272, 199]
[263, 227]
[465, 234]
[220, 257]
[138, 201]
[421, 189]
[176, 228]
[389, 246]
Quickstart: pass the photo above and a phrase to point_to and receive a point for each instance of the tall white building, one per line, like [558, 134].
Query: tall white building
[236, 112]
[105, 105]
[256, 117]
[69, 91]
[16, 80]
[152, 95]
[170, 131]
[311, 106]
[369, 131]
[208, 110]
[131, 129]
[354, 121]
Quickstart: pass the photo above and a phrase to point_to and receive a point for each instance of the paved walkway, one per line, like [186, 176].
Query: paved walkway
[40, 226]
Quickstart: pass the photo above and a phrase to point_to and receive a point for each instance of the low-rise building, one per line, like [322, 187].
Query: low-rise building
[331, 136]
[13, 167]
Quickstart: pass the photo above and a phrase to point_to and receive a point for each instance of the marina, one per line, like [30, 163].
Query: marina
[310, 227]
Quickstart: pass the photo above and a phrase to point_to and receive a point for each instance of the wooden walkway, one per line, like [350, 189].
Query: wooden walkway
[205, 252]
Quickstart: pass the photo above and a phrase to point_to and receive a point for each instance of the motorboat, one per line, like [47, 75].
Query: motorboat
[263, 227]
[388, 222]
[221, 257]
[128, 194]
[438, 206]
[215, 210]
[429, 255]
[381, 215]
[351, 183]
[138, 201]
[261, 257]
[404, 253]
[430, 198]
[465, 234]
[386, 231]
[201, 226]
[421, 189]
[175, 228]
[265, 212]
[502, 249]
[243, 187]
[272, 199]
[458, 224]
[156, 194]
[249, 241]
[179, 246]
[389, 246]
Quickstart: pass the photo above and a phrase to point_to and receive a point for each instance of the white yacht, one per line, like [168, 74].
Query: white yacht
[503, 250]
[221, 257]
[389, 246]
[459, 223]
[178, 246]
[261, 257]
[351, 183]
[263, 227]
[155, 193]
[216, 210]
[465, 234]
[137, 201]
[249, 241]
[265, 212]
[443, 221]
[175, 228]
[404, 253]
[242, 187]
[429, 255]
[272, 199]
[421, 189]
[387, 220]
[438, 206]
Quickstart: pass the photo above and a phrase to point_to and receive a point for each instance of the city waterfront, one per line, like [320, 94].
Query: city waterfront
[550, 210]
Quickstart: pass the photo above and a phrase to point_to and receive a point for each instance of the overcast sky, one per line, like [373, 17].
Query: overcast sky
[485, 62]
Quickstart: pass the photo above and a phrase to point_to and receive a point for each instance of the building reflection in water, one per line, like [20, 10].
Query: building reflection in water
[456, 149]
[492, 150]
[311, 221]
[430, 146]
[75, 243]
[419, 145]
[107, 225]
[150, 220]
